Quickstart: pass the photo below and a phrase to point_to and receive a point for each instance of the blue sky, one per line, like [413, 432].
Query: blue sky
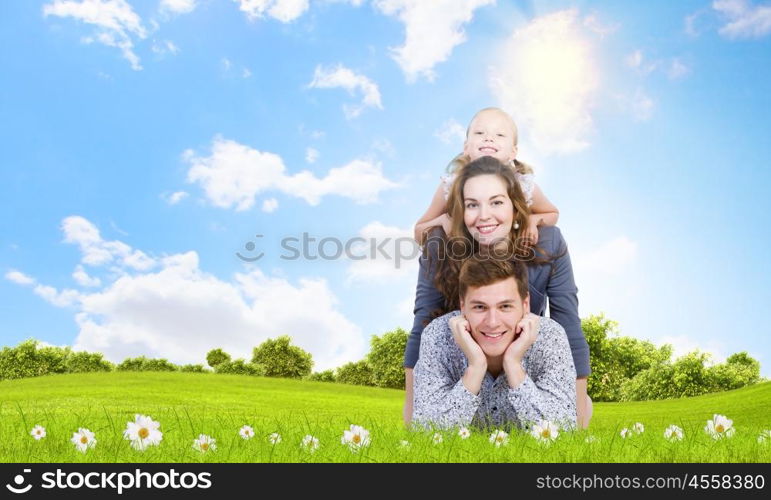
[146, 142]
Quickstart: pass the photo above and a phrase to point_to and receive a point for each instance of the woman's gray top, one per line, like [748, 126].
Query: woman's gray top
[546, 281]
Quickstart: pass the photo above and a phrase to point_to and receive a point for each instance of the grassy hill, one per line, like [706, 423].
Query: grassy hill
[188, 404]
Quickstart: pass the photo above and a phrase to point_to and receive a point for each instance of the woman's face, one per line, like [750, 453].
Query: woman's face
[487, 209]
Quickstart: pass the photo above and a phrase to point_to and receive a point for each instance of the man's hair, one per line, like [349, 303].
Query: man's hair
[479, 271]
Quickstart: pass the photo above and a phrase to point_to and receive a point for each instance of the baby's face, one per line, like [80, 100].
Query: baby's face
[491, 133]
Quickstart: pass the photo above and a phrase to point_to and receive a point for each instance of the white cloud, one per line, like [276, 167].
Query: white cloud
[83, 279]
[98, 252]
[65, 298]
[115, 20]
[175, 197]
[165, 47]
[19, 278]
[694, 24]
[384, 146]
[341, 77]
[451, 132]
[682, 345]
[180, 312]
[548, 81]
[234, 174]
[270, 205]
[285, 11]
[594, 25]
[311, 155]
[386, 253]
[744, 19]
[677, 69]
[636, 60]
[610, 258]
[608, 276]
[432, 30]
[178, 6]
[641, 106]
[245, 73]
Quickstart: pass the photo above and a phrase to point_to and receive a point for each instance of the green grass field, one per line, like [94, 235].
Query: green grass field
[189, 404]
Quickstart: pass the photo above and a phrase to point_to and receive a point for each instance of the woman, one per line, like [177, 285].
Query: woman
[489, 216]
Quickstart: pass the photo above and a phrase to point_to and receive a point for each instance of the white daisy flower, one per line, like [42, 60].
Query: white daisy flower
[464, 433]
[545, 431]
[83, 439]
[356, 437]
[205, 443]
[590, 439]
[499, 438]
[719, 427]
[673, 433]
[625, 433]
[764, 436]
[274, 438]
[638, 428]
[246, 432]
[404, 443]
[38, 432]
[143, 432]
[310, 443]
[437, 438]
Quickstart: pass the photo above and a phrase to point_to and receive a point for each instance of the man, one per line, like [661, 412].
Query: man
[493, 363]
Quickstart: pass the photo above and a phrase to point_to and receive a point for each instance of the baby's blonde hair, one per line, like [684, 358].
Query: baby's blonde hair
[463, 159]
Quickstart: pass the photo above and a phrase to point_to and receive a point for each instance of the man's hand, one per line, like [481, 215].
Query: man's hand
[461, 333]
[477, 361]
[527, 331]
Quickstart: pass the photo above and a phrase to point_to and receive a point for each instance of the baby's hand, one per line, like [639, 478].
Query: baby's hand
[532, 229]
[446, 223]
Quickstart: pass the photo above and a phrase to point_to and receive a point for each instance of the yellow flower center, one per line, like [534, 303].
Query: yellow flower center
[545, 433]
[720, 428]
[38, 432]
[499, 438]
[356, 438]
[84, 439]
[204, 446]
[143, 433]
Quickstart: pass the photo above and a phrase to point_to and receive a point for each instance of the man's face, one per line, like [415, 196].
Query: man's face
[493, 312]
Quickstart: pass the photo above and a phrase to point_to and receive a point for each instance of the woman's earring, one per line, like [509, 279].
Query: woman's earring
[516, 225]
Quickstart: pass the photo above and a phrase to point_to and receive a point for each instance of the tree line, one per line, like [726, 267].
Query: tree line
[623, 368]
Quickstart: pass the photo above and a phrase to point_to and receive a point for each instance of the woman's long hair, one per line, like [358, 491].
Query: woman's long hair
[459, 245]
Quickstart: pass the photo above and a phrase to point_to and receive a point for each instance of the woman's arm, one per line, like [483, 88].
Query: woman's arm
[563, 308]
[427, 300]
[435, 216]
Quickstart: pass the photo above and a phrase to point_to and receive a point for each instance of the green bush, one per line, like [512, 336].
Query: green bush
[84, 362]
[358, 373]
[386, 358]
[281, 359]
[144, 364]
[616, 360]
[325, 376]
[193, 369]
[27, 360]
[739, 370]
[240, 367]
[217, 356]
